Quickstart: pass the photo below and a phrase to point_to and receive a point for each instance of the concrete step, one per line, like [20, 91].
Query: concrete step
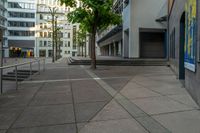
[20, 73]
[125, 62]
[13, 75]
[13, 78]
[26, 71]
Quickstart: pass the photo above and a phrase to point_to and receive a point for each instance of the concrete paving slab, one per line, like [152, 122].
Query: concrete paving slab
[152, 83]
[2, 131]
[172, 79]
[51, 74]
[112, 111]
[133, 109]
[117, 83]
[113, 126]
[8, 116]
[134, 91]
[88, 91]
[111, 71]
[14, 101]
[158, 105]
[86, 111]
[66, 128]
[169, 90]
[55, 89]
[81, 125]
[163, 88]
[152, 125]
[57, 84]
[45, 115]
[51, 99]
[185, 99]
[181, 122]
[77, 72]
[29, 86]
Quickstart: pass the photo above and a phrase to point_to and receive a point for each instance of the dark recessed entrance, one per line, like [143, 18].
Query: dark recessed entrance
[152, 44]
[181, 47]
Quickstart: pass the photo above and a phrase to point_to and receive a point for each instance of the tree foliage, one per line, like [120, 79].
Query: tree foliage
[93, 15]
[81, 36]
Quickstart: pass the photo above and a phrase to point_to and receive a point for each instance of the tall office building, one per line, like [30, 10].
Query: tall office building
[66, 38]
[21, 27]
[110, 40]
[3, 26]
[142, 33]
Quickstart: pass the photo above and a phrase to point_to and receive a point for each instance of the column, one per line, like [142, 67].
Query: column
[110, 48]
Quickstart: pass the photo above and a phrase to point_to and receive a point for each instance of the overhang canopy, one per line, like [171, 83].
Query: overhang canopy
[114, 35]
[162, 15]
[21, 43]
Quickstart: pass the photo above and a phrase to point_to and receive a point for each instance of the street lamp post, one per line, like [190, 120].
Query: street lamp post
[53, 12]
[56, 37]
[1, 58]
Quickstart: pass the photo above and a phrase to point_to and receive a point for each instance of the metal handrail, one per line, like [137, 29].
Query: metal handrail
[21, 64]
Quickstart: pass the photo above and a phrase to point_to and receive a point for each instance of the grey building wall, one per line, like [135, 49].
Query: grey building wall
[192, 80]
[139, 14]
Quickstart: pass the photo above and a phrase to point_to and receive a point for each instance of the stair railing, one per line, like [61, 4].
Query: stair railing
[15, 66]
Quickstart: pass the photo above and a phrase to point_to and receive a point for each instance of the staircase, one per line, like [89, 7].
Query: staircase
[121, 62]
[21, 75]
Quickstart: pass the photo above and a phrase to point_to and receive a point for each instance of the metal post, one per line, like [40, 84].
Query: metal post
[16, 77]
[44, 65]
[39, 67]
[1, 59]
[30, 70]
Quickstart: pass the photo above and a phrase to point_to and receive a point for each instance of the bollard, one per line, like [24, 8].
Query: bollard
[16, 76]
[44, 65]
[30, 70]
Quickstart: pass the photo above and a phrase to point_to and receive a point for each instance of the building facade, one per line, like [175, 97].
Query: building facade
[21, 27]
[110, 40]
[143, 30]
[3, 27]
[66, 39]
[184, 43]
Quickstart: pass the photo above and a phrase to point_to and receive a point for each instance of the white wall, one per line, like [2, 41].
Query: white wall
[143, 14]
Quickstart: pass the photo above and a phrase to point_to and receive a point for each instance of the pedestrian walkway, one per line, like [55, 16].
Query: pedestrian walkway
[111, 99]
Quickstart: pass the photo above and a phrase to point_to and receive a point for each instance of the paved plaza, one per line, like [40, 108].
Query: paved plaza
[111, 99]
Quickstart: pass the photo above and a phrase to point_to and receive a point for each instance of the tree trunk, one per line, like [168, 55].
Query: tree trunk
[93, 49]
[85, 46]
[53, 41]
[82, 50]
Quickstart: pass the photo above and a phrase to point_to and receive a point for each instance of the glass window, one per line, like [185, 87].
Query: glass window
[41, 16]
[41, 34]
[40, 43]
[68, 43]
[45, 43]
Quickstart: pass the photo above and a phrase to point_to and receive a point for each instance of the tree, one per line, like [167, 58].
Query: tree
[53, 12]
[81, 39]
[93, 15]
[58, 36]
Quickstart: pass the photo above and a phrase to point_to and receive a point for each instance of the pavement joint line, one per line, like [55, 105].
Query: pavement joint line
[67, 80]
[24, 108]
[175, 112]
[47, 125]
[150, 124]
[165, 95]
[73, 101]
